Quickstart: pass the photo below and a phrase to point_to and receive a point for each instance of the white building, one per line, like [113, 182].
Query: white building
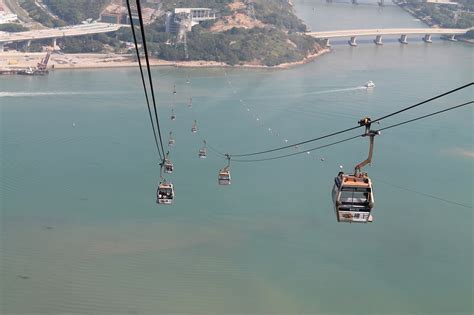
[183, 19]
[445, 2]
[7, 18]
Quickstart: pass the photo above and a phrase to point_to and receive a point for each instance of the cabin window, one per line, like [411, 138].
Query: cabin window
[355, 195]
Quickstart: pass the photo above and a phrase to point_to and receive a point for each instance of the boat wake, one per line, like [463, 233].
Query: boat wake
[337, 90]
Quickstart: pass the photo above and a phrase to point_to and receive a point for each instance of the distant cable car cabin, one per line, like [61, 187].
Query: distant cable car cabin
[171, 141]
[167, 164]
[165, 193]
[190, 104]
[224, 173]
[194, 127]
[352, 194]
[203, 151]
[173, 116]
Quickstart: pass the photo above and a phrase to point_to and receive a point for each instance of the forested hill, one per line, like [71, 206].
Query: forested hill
[76, 11]
[63, 12]
[258, 32]
[255, 32]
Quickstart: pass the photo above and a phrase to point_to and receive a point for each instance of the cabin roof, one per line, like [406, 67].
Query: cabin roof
[351, 180]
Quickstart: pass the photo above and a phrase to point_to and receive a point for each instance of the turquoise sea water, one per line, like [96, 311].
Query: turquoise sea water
[81, 233]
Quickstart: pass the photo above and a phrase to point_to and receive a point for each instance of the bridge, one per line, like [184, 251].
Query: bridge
[378, 33]
[54, 33]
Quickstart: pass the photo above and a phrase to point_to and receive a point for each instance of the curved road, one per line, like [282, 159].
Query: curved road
[23, 16]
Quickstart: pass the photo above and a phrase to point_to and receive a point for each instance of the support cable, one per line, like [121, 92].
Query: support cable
[356, 127]
[424, 102]
[143, 79]
[142, 29]
[352, 138]
[423, 194]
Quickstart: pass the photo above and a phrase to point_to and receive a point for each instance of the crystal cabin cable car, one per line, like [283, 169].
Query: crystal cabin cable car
[203, 151]
[194, 127]
[352, 194]
[190, 104]
[224, 173]
[171, 141]
[165, 193]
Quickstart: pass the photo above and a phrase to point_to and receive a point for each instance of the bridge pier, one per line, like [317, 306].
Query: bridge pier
[352, 41]
[403, 39]
[326, 43]
[54, 43]
[2, 47]
[378, 40]
[427, 38]
[451, 38]
[354, 1]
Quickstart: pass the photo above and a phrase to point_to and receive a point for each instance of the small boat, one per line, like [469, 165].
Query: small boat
[369, 84]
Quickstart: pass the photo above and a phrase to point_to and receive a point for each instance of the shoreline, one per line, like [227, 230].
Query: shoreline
[19, 60]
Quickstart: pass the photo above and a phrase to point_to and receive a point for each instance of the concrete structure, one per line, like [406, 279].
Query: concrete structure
[54, 33]
[183, 19]
[444, 2]
[378, 33]
[403, 39]
[378, 40]
[352, 41]
[7, 18]
[427, 38]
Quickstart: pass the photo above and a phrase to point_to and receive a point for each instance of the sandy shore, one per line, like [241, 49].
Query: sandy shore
[15, 60]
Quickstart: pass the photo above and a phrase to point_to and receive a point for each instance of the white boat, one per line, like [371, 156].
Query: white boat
[369, 84]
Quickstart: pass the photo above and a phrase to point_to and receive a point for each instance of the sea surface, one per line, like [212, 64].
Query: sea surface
[80, 232]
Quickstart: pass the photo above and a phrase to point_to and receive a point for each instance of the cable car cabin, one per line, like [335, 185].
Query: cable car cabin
[165, 193]
[194, 128]
[173, 116]
[224, 177]
[353, 198]
[171, 140]
[202, 153]
[168, 166]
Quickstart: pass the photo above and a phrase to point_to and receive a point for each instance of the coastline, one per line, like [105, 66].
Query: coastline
[402, 5]
[20, 60]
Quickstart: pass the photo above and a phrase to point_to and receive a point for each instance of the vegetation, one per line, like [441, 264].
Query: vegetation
[275, 43]
[268, 46]
[276, 40]
[470, 34]
[81, 44]
[276, 13]
[443, 15]
[76, 11]
[13, 28]
[37, 14]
